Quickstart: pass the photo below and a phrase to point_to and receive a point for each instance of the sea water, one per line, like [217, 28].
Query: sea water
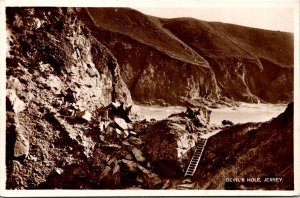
[245, 112]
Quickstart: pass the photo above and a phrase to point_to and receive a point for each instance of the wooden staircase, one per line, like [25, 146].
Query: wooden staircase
[201, 142]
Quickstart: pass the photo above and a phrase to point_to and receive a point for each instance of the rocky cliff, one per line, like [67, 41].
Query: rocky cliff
[252, 150]
[67, 123]
[248, 63]
[193, 59]
[155, 64]
[58, 76]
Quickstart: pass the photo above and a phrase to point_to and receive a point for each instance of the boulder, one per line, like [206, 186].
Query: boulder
[105, 173]
[15, 102]
[132, 133]
[128, 156]
[139, 126]
[166, 184]
[227, 122]
[58, 171]
[152, 180]
[21, 147]
[116, 146]
[135, 141]
[102, 138]
[125, 133]
[126, 143]
[121, 123]
[110, 161]
[85, 115]
[131, 165]
[116, 175]
[138, 154]
[169, 144]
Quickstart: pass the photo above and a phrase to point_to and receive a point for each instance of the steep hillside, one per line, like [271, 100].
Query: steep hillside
[184, 59]
[252, 150]
[58, 76]
[274, 46]
[156, 66]
[146, 30]
[68, 120]
[245, 60]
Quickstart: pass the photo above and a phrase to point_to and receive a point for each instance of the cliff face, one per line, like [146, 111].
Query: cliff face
[189, 59]
[155, 65]
[56, 72]
[246, 61]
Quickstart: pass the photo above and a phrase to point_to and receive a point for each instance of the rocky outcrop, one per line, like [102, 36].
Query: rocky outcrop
[169, 145]
[58, 76]
[251, 150]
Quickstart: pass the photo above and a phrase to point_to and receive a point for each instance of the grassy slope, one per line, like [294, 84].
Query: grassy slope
[145, 29]
[250, 151]
[221, 40]
[203, 37]
[274, 46]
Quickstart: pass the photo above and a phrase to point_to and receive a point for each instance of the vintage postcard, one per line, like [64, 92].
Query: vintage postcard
[156, 98]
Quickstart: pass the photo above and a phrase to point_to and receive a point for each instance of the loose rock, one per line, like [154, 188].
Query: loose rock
[15, 102]
[152, 180]
[138, 154]
[21, 148]
[135, 140]
[85, 115]
[121, 123]
[105, 174]
[227, 122]
[131, 165]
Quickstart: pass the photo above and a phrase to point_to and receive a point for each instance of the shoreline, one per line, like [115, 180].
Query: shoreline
[245, 112]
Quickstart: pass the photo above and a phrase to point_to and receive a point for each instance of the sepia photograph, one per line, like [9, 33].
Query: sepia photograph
[177, 99]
